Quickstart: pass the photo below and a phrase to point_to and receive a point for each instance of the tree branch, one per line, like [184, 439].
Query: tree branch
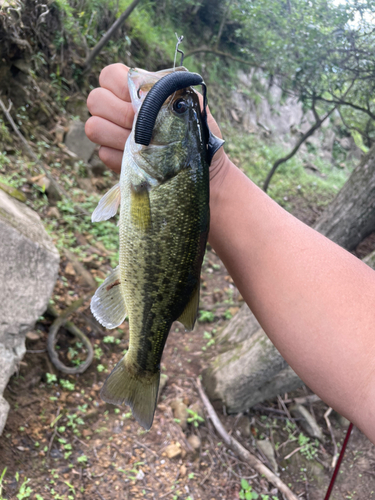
[305, 136]
[105, 39]
[242, 452]
[302, 139]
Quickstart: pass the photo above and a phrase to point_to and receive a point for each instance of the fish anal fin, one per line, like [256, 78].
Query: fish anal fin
[140, 209]
[189, 316]
[108, 304]
[138, 390]
[108, 205]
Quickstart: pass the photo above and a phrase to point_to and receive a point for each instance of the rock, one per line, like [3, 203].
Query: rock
[243, 426]
[97, 166]
[173, 450]
[53, 212]
[33, 336]
[162, 383]
[69, 269]
[183, 470]
[49, 187]
[180, 413]
[28, 271]
[85, 184]
[77, 141]
[194, 442]
[265, 446]
[197, 408]
[307, 421]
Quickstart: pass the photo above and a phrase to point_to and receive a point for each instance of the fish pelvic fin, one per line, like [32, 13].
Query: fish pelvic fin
[190, 313]
[108, 205]
[127, 386]
[108, 304]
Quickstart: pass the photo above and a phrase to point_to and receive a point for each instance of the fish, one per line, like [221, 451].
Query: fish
[163, 194]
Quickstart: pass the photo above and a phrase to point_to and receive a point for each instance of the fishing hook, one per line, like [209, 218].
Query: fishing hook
[179, 40]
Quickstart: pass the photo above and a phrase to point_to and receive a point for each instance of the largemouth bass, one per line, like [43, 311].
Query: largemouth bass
[163, 226]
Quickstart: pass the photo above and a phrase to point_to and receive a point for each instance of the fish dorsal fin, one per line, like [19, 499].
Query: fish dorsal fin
[140, 209]
[189, 316]
[108, 205]
[108, 304]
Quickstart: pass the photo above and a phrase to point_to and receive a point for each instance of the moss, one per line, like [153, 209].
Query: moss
[15, 193]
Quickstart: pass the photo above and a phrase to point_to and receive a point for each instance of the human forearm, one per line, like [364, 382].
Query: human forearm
[314, 300]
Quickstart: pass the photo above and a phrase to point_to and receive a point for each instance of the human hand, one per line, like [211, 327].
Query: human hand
[112, 120]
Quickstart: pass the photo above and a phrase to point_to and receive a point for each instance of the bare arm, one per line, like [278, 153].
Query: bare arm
[314, 300]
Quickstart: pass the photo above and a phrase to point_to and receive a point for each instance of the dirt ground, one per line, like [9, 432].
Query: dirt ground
[65, 443]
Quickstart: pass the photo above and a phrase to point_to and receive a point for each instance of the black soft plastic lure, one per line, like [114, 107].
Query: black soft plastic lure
[154, 100]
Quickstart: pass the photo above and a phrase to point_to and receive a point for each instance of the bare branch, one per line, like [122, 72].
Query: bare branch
[105, 39]
[242, 452]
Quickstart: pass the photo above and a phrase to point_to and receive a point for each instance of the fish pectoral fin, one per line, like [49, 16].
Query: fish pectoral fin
[140, 391]
[108, 205]
[108, 304]
[140, 209]
[189, 316]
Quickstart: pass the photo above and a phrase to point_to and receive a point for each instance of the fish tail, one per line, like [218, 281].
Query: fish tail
[138, 390]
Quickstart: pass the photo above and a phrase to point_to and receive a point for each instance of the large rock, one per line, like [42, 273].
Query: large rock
[29, 264]
[77, 141]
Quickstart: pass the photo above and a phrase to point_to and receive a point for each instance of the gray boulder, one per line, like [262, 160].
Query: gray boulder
[29, 264]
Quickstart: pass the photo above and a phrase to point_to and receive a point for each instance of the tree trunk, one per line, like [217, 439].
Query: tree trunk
[351, 215]
[249, 368]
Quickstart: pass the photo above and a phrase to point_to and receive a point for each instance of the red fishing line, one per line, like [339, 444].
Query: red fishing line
[337, 468]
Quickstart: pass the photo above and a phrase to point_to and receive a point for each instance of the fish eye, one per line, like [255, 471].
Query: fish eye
[180, 106]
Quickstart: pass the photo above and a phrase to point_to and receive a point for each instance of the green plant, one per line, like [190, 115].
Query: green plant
[247, 492]
[1, 482]
[24, 491]
[194, 418]
[206, 316]
[66, 384]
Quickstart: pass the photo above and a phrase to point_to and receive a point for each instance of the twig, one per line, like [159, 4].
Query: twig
[237, 448]
[28, 149]
[146, 448]
[334, 458]
[293, 452]
[284, 408]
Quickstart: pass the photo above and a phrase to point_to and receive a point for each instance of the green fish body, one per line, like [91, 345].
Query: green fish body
[164, 222]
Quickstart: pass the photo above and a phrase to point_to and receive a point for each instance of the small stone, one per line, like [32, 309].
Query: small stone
[140, 475]
[69, 269]
[194, 442]
[163, 383]
[32, 336]
[265, 446]
[243, 426]
[180, 413]
[53, 212]
[77, 141]
[173, 450]
[183, 470]
[197, 408]
[307, 421]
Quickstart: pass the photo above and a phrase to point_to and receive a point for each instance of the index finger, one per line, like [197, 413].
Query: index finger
[115, 78]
